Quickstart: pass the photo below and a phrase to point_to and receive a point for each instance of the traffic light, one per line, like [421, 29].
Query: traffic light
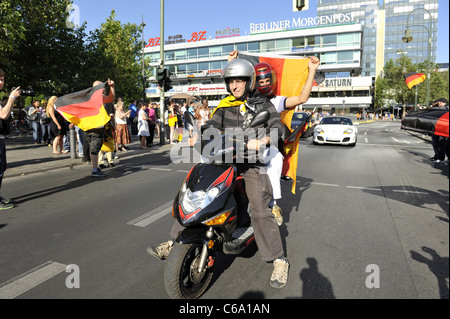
[160, 76]
[167, 80]
[300, 5]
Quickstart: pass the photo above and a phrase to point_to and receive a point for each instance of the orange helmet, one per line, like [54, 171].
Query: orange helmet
[265, 71]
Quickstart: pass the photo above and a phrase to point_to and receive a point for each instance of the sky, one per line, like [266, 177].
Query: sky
[186, 17]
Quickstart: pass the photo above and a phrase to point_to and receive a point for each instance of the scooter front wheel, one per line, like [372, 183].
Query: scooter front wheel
[181, 277]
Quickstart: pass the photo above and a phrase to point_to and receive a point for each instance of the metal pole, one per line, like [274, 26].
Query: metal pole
[143, 24]
[73, 143]
[429, 60]
[162, 131]
[430, 35]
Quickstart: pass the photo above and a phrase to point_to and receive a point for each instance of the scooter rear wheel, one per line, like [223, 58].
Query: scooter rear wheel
[181, 277]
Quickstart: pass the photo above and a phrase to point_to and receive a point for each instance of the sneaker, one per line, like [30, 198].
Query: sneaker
[98, 173]
[162, 251]
[280, 273]
[5, 200]
[277, 212]
[4, 206]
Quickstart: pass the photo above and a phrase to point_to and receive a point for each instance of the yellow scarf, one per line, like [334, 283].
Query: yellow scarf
[229, 101]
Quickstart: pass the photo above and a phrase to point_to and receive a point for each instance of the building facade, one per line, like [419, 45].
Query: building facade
[196, 66]
[384, 23]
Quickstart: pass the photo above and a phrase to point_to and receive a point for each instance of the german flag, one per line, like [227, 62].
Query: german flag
[85, 108]
[413, 79]
[291, 73]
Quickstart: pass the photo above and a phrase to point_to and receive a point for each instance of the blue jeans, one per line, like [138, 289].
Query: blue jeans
[46, 133]
[37, 136]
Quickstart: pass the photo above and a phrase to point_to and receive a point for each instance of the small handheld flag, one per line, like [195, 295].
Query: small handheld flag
[413, 79]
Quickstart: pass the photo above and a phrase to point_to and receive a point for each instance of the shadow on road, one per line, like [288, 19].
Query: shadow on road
[438, 266]
[314, 286]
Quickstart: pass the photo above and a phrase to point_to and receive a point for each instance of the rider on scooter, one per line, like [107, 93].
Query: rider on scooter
[232, 112]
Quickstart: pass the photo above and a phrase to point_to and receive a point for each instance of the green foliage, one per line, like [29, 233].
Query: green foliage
[118, 50]
[391, 87]
[40, 51]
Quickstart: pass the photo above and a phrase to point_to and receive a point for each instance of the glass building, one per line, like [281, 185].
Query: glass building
[197, 66]
[384, 23]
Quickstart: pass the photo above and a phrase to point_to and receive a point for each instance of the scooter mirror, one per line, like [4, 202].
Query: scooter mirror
[260, 118]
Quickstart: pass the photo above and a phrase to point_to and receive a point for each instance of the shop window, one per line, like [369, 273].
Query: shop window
[329, 40]
[226, 49]
[298, 42]
[253, 47]
[192, 54]
[203, 52]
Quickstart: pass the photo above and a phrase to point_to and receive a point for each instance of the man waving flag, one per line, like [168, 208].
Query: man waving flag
[84, 108]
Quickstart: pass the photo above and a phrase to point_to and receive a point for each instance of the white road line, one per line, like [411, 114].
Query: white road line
[161, 169]
[366, 140]
[411, 192]
[154, 215]
[365, 188]
[21, 284]
[398, 141]
[324, 184]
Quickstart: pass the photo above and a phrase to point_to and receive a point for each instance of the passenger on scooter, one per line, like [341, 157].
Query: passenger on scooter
[243, 102]
[266, 83]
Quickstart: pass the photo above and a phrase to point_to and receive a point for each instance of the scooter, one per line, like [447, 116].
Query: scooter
[214, 209]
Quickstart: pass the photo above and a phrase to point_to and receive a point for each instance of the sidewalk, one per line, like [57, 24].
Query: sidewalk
[24, 157]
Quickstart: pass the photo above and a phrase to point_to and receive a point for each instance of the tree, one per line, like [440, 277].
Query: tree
[392, 88]
[44, 54]
[117, 47]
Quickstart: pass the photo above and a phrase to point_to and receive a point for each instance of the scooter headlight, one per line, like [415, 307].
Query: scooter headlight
[191, 201]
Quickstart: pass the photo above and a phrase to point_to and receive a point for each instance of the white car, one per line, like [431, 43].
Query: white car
[336, 130]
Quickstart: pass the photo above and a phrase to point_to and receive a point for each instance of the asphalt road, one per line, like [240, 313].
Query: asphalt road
[370, 221]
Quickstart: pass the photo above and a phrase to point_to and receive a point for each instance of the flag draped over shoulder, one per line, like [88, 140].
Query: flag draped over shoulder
[413, 79]
[291, 73]
[84, 108]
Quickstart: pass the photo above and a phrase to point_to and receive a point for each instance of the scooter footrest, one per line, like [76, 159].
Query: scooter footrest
[240, 240]
[242, 233]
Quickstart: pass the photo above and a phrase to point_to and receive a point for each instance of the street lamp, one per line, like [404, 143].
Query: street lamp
[407, 38]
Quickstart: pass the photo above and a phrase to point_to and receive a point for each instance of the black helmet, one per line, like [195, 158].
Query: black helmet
[240, 69]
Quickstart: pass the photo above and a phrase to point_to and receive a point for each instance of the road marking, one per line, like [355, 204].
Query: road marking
[411, 192]
[365, 188]
[151, 217]
[324, 184]
[366, 140]
[161, 169]
[21, 284]
[401, 142]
